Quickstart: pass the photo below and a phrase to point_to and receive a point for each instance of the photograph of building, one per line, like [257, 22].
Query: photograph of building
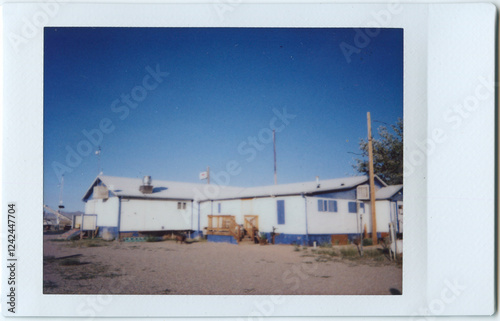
[300, 213]
[223, 161]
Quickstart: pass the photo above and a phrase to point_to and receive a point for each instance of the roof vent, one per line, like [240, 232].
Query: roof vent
[146, 187]
[318, 185]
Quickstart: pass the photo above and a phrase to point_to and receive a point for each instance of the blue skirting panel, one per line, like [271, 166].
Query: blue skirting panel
[195, 234]
[299, 239]
[221, 239]
[303, 239]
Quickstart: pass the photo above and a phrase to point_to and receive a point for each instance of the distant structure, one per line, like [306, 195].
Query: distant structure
[328, 211]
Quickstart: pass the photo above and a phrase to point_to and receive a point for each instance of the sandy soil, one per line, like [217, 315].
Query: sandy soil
[210, 268]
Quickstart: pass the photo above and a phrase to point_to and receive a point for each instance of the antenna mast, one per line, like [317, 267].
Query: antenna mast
[274, 146]
[61, 193]
[98, 153]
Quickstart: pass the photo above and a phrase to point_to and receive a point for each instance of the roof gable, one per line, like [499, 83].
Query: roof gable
[388, 192]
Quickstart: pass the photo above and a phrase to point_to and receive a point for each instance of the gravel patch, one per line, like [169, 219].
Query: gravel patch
[210, 268]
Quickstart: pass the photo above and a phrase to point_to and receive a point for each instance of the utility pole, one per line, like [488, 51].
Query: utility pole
[274, 147]
[372, 180]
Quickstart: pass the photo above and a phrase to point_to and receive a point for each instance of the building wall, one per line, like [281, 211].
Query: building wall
[327, 222]
[106, 210]
[345, 222]
[383, 211]
[205, 210]
[267, 209]
[155, 215]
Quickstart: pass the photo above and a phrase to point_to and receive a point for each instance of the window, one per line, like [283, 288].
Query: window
[179, 205]
[320, 206]
[332, 206]
[184, 205]
[352, 207]
[281, 211]
[327, 206]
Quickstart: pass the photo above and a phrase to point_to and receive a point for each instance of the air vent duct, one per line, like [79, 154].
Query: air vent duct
[146, 187]
[363, 192]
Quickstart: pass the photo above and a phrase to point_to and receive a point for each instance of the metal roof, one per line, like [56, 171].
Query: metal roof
[387, 192]
[129, 187]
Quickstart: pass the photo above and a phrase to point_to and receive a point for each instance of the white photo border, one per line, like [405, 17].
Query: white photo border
[433, 262]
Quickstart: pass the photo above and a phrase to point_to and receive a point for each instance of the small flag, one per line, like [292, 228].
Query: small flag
[204, 175]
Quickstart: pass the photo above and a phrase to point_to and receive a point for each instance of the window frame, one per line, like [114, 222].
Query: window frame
[328, 205]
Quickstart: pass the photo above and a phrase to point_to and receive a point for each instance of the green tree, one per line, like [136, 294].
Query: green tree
[387, 154]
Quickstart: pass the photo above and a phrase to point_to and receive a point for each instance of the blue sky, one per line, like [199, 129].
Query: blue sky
[168, 102]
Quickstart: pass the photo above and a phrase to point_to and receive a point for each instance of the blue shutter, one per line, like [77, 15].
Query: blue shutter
[334, 206]
[219, 208]
[325, 205]
[320, 206]
[281, 211]
[352, 207]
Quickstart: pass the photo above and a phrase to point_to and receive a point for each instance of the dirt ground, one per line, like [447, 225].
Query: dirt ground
[100, 267]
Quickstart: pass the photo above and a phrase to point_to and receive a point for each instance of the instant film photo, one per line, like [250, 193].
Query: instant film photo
[245, 160]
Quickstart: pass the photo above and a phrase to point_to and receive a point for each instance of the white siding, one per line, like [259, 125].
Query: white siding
[204, 212]
[343, 222]
[267, 209]
[383, 216]
[155, 215]
[89, 223]
[106, 210]
[340, 222]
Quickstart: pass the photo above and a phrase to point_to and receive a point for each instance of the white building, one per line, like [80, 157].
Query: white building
[320, 211]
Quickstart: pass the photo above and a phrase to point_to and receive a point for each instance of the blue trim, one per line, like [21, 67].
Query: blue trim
[349, 194]
[307, 239]
[307, 227]
[119, 213]
[192, 214]
[196, 234]
[221, 239]
[398, 196]
[280, 204]
[377, 183]
[199, 230]
[396, 214]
